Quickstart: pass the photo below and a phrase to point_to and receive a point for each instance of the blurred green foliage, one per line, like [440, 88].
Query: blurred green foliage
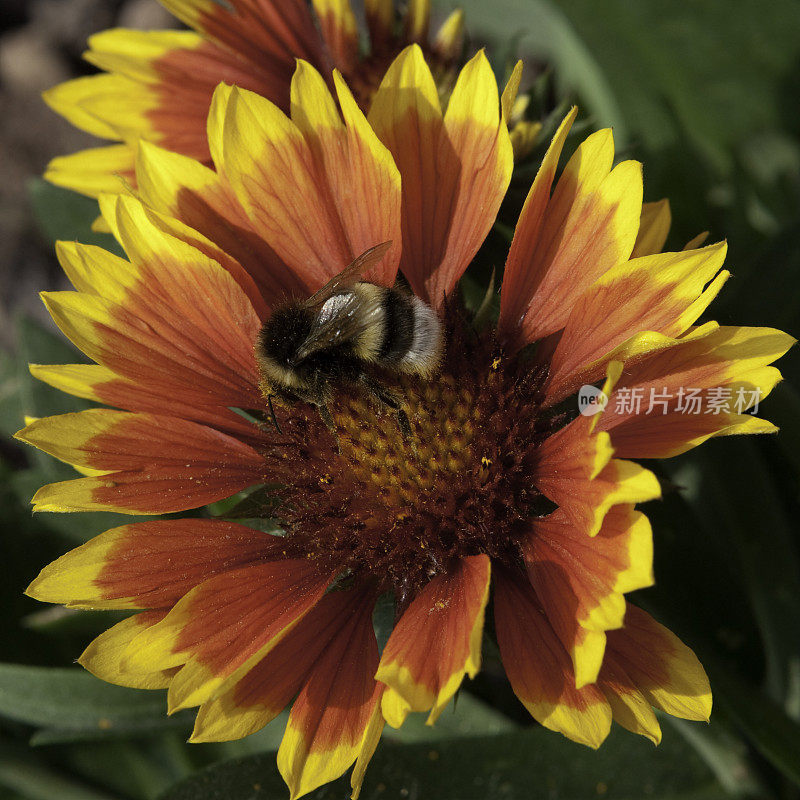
[705, 93]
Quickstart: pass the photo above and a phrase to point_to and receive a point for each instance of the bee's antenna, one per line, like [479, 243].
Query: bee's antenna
[272, 414]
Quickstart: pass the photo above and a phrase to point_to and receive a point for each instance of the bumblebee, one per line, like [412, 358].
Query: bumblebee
[338, 337]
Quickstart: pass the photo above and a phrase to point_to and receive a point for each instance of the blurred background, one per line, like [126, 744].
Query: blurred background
[707, 94]
[41, 42]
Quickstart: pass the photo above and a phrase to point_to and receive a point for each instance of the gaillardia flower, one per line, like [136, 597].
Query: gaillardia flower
[157, 85]
[502, 491]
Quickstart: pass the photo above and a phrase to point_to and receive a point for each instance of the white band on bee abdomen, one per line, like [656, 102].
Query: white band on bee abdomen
[426, 347]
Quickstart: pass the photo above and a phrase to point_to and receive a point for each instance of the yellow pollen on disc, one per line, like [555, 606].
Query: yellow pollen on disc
[443, 420]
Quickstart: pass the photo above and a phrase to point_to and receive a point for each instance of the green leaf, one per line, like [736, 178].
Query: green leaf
[32, 778]
[545, 29]
[784, 410]
[65, 215]
[255, 502]
[74, 705]
[383, 619]
[534, 764]
[724, 752]
[10, 388]
[700, 89]
[468, 717]
[141, 769]
[772, 732]
[665, 60]
[69, 622]
[736, 498]
[40, 345]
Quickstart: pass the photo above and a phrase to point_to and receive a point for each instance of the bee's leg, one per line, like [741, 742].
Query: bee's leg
[319, 400]
[325, 413]
[390, 399]
[405, 426]
[317, 394]
[272, 414]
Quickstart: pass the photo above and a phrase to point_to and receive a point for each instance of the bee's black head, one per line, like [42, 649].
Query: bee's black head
[284, 332]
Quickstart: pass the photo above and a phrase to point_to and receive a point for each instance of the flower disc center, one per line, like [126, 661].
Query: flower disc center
[403, 508]
[443, 419]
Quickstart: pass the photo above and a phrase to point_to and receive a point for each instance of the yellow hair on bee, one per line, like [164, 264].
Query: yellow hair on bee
[367, 344]
[274, 375]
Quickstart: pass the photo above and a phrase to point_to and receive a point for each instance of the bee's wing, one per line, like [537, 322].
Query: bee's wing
[350, 274]
[349, 317]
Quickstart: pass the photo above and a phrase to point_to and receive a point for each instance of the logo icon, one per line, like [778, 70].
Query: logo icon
[591, 400]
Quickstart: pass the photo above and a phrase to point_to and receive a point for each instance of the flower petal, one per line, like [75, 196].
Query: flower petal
[340, 31]
[577, 472]
[407, 117]
[449, 40]
[580, 580]
[418, 20]
[333, 719]
[368, 178]
[160, 83]
[187, 201]
[187, 83]
[369, 744]
[159, 464]
[518, 279]
[93, 382]
[270, 34]
[380, 22]
[659, 665]
[654, 225]
[539, 668]
[662, 294]
[289, 188]
[455, 168]
[107, 332]
[134, 53]
[103, 656]
[222, 628]
[475, 161]
[124, 315]
[149, 564]
[108, 106]
[729, 363]
[629, 706]
[436, 642]
[94, 171]
[588, 226]
[182, 69]
[272, 683]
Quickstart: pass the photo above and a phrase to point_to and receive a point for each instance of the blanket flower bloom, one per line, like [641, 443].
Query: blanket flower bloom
[157, 85]
[499, 485]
